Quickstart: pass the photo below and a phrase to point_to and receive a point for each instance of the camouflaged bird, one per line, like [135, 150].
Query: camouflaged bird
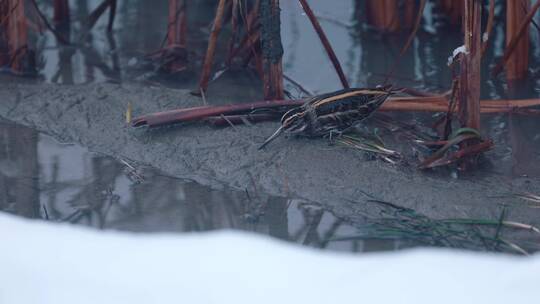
[331, 113]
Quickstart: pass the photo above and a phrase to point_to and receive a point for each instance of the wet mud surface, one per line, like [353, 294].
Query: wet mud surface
[339, 179]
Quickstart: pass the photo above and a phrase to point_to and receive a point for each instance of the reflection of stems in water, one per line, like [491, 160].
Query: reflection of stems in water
[313, 222]
[93, 59]
[113, 200]
[52, 193]
[45, 213]
[276, 216]
[312, 218]
[95, 198]
[330, 233]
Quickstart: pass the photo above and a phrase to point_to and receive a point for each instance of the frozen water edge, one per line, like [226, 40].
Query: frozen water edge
[55, 263]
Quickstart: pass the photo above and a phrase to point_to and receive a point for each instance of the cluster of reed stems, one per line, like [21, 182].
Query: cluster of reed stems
[255, 41]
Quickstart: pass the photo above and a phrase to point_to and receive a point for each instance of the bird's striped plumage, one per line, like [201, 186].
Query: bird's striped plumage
[330, 113]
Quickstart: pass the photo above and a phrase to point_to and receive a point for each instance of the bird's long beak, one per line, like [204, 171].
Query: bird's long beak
[274, 136]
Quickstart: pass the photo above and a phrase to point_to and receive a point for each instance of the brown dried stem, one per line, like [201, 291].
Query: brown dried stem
[234, 28]
[454, 9]
[518, 62]
[271, 48]
[409, 39]
[469, 151]
[511, 46]
[210, 51]
[223, 120]
[383, 14]
[56, 34]
[326, 44]
[61, 12]
[197, 113]
[489, 26]
[14, 35]
[469, 83]
[177, 27]
[418, 104]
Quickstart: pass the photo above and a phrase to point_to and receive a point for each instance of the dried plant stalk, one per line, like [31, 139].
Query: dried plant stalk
[210, 51]
[454, 10]
[410, 39]
[513, 42]
[61, 12]
[383, 14]
[272, 49]
[518, 61]
[4, 45]
[440, 104]
[489, 26]
[409, 14]
[326, 44]
[469, 85]
[249, 46]
[14, 35]
[234, 29]
[177, 29]
[419, 104]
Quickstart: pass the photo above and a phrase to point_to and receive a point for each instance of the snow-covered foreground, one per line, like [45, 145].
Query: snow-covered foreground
[52, 263]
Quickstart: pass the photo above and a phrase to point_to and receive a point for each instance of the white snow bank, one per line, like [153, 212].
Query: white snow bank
[51, 263]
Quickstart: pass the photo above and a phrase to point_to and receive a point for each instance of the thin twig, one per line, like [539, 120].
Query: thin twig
[298, 85]
[6, 17]
[96, 14]
[47, 24]
[212, 41]
[203, 96]
[325, 42]
[229, 122]
[112, 15]
[489, 26]
[409, 39]
[171, 23]
[514, 41]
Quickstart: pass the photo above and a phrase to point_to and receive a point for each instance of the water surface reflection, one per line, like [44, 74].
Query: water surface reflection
[42, 178]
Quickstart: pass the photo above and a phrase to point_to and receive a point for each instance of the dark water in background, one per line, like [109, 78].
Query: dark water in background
[71, 184]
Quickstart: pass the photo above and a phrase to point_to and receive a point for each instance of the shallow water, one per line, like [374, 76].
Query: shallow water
[43, 178]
